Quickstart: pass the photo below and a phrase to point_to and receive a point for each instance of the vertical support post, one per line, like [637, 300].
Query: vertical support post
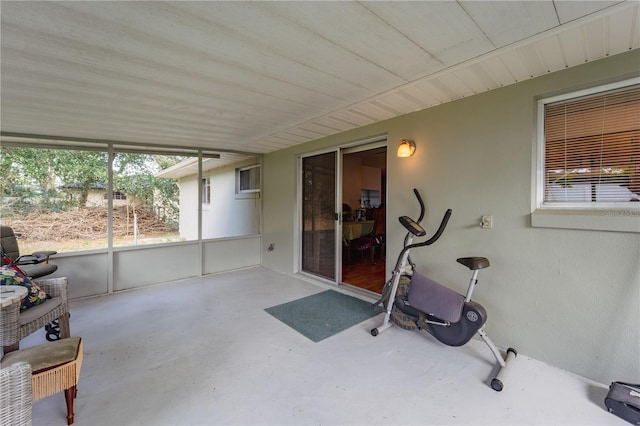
[200, 244]
[110, 254]
[135, 228]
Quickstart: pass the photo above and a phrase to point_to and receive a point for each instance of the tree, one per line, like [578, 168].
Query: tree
[81, 168]
[29, 171]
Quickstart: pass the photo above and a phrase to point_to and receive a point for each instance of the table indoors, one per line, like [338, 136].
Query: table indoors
[353, 230]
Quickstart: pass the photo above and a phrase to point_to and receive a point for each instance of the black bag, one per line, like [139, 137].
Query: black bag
[623, 400]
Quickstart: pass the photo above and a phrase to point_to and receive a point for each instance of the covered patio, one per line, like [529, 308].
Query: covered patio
[176, 332]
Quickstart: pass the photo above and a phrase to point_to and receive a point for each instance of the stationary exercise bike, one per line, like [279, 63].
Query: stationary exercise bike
[423, 304]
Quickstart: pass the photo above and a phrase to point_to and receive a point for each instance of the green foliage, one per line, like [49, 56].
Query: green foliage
[44, 178]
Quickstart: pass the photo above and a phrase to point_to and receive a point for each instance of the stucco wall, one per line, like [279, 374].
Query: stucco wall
[188, 207]
[228, 214]
[570, 298]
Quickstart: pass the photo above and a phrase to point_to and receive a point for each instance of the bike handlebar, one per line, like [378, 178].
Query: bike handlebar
[433, 239]
[435, 236]
[422, 209]
[440, 230]
[442, 226]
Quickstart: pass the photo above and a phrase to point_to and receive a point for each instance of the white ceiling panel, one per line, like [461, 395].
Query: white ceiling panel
[256, 77]
[623, 30]
[572, 43]
[569, 10]
[355, 29]
[333, 123]
[423, 91]
[472, 79]
[454, 86]
[412, 98]
[596, 39]
[513, 60]
[550, 53]
[441, 28]
[394, 103]
[434, 89]
[531, 60]
[486, 81]
[509, 21]
[364, 114]
[496, 68]
[372, 111]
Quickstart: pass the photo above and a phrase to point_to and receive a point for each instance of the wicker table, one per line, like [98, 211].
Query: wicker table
[11, 293]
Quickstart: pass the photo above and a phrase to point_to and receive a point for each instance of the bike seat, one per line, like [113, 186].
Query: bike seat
[474, 263]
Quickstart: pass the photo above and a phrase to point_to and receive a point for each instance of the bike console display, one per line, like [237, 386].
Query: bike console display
[412, 226]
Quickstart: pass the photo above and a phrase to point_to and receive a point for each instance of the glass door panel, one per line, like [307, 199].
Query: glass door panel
[319, 215]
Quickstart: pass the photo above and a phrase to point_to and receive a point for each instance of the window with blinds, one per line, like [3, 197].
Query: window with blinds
[591, 147]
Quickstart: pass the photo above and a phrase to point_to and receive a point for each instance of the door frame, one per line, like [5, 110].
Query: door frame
[340, 150]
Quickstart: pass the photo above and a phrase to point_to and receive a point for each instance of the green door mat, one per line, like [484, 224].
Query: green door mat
[324, 314]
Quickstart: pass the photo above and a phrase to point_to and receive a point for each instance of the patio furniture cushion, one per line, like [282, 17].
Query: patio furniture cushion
[36, 312]
[45, 356]
[435, 299]
[35, 295]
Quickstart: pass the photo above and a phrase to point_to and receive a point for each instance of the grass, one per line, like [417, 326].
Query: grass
[27, 246]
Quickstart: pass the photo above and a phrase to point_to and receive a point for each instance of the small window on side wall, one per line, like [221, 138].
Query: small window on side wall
[117, 195]
[206, 190]
[248, 180]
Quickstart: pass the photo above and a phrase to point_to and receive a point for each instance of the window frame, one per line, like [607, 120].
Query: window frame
[605, 216]
[206, 190]
[252, 192]
[106, 201]
[115, 195]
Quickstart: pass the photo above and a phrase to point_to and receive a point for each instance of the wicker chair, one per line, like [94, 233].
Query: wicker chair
[35, 265]
[16, 395]
[55, 367]
[15, 325]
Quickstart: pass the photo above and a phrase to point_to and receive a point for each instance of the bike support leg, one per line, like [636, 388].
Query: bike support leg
[497, 382]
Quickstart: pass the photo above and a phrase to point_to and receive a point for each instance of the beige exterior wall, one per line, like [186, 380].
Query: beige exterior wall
[567, 297]
[228, 214]
[95, 198]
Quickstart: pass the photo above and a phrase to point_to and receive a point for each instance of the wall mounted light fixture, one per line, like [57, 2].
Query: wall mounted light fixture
[407, 148]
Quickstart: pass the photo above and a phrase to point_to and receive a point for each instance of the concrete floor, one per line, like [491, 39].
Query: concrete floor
[204, 351]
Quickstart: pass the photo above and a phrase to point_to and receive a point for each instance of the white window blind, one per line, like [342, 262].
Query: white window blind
[592, 148]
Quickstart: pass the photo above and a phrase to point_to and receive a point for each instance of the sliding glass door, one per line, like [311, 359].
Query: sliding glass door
[319, 219]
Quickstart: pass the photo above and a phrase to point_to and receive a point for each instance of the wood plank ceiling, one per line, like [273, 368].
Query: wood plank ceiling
[256, 77]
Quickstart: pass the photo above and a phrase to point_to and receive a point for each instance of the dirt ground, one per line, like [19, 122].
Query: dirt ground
[86, 228]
